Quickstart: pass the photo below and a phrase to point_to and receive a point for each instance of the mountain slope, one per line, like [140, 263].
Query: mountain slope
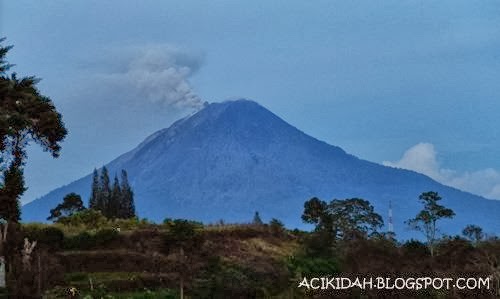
[234, 158]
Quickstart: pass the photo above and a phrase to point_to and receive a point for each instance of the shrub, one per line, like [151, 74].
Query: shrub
[89, 218]
[84, 240]
[312, 266]
[100, 292]
[183, 233]
[276, 227]
[415, 248]
[127, 224]
[181, 230]
[224, 280]
[57, 292]
[238, 231]
[106, 235]
[48, 236]
[169, 223]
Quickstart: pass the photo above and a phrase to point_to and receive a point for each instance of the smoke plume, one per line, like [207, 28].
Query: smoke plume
[158, 73]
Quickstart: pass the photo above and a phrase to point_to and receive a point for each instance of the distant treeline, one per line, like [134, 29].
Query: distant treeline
[115, 201]
[112, 201]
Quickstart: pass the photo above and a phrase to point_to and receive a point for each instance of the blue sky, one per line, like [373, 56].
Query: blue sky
[411, 84]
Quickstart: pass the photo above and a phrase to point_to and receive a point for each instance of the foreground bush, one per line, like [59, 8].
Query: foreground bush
[48, 236]
[102, 292]
[89, 218]
[85, 240]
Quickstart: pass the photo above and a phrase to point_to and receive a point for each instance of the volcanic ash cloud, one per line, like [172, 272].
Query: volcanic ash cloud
[160, 74]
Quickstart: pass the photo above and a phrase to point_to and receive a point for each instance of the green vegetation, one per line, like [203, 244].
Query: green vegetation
[256, 219]
[340, 219]
[427, 218]
[85, 240]
[90, 219]
[72, 203]
[185, 258]
[181, 257]
[473, 233]
[26, 116]
[277, 227]
[113, 202]
[101, 292]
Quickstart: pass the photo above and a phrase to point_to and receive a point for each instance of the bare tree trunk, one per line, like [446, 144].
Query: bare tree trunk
[498, 287]
[2, 272]
[26, 253]
[182, 274]
[3, 260]
[39, 290]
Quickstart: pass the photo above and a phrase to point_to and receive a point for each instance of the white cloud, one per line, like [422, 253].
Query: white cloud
[422, 158]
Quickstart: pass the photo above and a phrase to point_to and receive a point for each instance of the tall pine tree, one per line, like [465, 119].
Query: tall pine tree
[114, 203]
[105, 193]
[127, 201]
[95, 192]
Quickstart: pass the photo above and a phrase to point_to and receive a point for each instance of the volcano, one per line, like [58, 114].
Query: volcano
[233, 158]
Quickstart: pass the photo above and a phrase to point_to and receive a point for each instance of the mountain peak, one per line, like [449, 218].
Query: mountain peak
[242, 105]
[241, 102]
[240, 117]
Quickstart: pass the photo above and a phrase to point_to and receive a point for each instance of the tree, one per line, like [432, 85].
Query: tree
[94, 193]
[90, 218]
[115, 201]
[342, 218]
[12, 189]
[474, 233]
[354, 216]
[425, 221]
[72, 203]
[25, 116]
[316, 212]
[256, 219]
[276, 227]
[186, 236]
[127, 199]
[4, 65]
[104, 194]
